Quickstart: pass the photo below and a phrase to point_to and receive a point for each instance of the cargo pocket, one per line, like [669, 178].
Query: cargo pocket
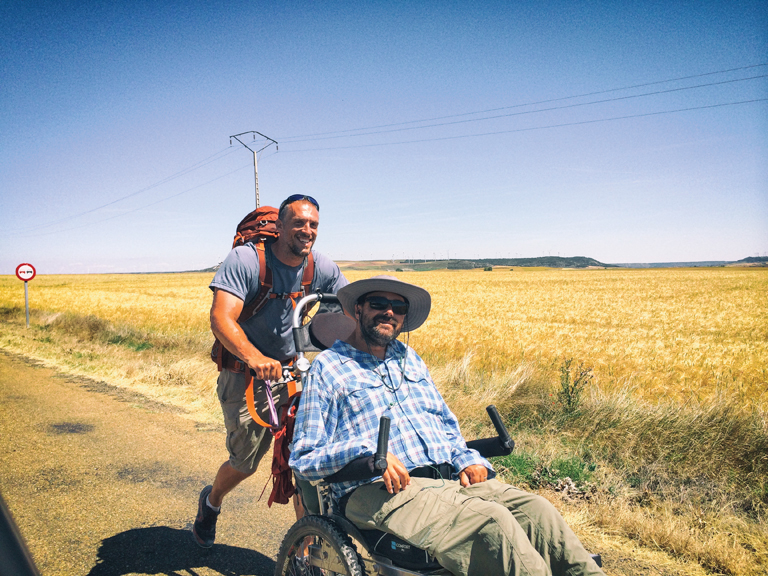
[372, 507]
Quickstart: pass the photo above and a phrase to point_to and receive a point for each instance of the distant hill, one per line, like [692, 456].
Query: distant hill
[580, 262]
[542, 262]
[547, 262]
[211, 269]
[751, 261]
[702, 264]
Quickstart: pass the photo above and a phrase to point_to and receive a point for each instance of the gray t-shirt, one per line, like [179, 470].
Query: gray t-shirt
[270, 330]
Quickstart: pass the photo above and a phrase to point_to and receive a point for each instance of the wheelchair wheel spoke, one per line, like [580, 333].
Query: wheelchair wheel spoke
[315, 546]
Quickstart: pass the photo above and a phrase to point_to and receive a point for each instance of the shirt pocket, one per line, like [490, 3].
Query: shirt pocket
[425, 394]
[360, 406]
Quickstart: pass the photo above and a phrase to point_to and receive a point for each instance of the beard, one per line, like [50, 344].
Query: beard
[297, 251]
[300, 251]
[372, 333]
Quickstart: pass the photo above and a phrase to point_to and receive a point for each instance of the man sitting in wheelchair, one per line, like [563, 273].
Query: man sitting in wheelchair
[436, 494]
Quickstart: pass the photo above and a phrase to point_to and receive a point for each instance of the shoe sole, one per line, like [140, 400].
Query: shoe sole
[200, 542]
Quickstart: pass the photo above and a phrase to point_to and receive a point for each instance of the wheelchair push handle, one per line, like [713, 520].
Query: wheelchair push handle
[504, 438]
[501, 445]
[382, 446]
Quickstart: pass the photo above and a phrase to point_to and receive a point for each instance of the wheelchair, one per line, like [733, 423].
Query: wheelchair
[324, 542]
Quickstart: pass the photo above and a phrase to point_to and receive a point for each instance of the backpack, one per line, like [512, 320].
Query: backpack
[260, 228]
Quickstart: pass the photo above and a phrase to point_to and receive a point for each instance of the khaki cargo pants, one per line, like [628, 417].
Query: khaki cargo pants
[485, 529]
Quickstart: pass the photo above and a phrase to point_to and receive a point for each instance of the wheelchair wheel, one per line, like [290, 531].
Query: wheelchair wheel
[315, 546]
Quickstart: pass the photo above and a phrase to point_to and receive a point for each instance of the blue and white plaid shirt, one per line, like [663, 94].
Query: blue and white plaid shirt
[346, 393]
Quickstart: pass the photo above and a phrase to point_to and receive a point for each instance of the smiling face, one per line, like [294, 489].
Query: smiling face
[379, 327]
[298, 230]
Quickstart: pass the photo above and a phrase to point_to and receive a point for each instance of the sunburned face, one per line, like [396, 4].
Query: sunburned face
[380, 327]
[298, 231]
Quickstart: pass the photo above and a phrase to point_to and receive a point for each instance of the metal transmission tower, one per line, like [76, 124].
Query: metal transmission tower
[255, 152]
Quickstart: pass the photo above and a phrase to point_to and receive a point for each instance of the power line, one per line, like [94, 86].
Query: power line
[140, 207]
[199, 164]
[550, 126]
[224, 152]
[287, 138]
[605, 100]
[565, 124]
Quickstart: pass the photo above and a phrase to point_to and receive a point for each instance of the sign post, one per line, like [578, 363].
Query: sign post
[26, 272]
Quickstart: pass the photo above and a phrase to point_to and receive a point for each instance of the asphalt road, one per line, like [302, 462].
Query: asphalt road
[104, 483]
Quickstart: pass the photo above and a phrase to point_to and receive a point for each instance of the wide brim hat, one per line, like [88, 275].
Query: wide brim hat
[419, 300]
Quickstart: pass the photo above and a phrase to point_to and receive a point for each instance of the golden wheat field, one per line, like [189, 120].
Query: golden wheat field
[679, 359]
[667, 332]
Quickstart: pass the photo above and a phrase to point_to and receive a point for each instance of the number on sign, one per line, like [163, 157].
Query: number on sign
[25, 272]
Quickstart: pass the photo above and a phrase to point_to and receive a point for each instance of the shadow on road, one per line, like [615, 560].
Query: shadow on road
[163, 550]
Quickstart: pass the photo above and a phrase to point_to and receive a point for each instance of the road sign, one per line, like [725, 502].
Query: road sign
[25, 272]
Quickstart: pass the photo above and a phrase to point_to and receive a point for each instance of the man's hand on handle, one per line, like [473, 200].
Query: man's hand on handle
[473, 474]
[265, 368]
[396, 477]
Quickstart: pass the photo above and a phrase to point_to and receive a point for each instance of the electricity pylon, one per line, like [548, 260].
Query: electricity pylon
[255, 152]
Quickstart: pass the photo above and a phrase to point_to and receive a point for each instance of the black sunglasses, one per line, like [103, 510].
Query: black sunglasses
[399, 307]
[296, 198]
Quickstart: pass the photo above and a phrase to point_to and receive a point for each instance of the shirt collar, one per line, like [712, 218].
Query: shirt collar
[347, 353]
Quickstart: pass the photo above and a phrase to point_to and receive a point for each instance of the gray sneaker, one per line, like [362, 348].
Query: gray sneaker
[204, 528]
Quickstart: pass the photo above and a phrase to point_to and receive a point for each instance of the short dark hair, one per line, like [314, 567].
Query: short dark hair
[295, 198]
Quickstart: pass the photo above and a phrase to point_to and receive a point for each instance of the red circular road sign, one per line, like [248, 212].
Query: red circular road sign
[25, 272]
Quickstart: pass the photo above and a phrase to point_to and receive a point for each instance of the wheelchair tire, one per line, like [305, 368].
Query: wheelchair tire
[333, 552]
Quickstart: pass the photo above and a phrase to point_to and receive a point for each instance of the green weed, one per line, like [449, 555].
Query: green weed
[572, 385]
[536, 473]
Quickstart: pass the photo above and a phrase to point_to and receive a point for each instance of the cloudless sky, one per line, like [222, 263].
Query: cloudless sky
[623, 131]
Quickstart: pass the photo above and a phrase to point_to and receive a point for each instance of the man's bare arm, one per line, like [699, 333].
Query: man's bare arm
[225, 311]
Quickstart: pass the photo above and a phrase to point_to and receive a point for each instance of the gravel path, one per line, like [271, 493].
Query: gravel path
[103, 483]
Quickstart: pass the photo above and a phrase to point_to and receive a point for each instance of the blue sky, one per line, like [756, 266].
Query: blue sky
[600, 129]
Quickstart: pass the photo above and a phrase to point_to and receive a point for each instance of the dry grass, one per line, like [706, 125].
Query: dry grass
[665, 448]
[688, 479]
[165, 304]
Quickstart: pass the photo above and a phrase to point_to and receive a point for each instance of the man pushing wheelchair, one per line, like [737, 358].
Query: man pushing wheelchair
[436, 493]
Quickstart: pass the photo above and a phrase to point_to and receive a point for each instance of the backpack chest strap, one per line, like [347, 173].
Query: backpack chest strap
[287, 295]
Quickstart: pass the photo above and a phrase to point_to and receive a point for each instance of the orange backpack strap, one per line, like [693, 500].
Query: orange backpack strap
[265, 286]
[250, 402]
[309, 274]
[306, 284]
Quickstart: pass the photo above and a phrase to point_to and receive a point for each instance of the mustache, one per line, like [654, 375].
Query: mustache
[384, 318]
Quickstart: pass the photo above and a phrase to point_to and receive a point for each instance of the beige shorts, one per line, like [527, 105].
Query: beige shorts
[247, 442]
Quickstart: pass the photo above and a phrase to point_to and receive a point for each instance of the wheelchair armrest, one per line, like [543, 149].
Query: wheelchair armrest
[359, 469]
[367, 467]
[489, 447]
